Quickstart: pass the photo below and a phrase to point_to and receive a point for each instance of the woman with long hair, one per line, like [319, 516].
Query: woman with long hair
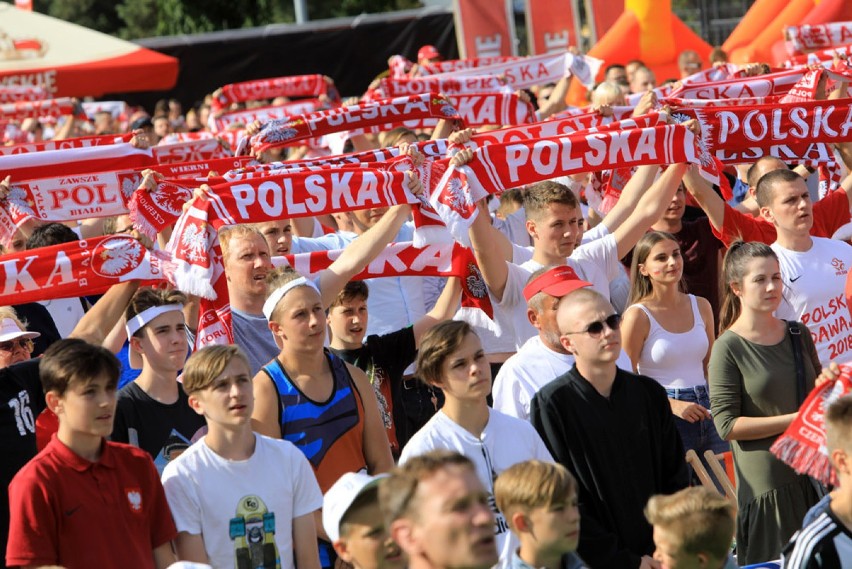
[668, 335]
[760, 370]
[451, 359]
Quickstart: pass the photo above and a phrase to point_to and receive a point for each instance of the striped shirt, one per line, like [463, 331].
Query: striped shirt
[824, 544]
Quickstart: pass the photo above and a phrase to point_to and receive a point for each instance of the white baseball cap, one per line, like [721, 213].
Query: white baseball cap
[340, 498]
[9, 330]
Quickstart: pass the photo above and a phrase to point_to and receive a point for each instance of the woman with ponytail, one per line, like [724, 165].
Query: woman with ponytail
[761, 368]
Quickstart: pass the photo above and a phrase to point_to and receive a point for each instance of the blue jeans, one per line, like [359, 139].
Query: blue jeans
[702, 435]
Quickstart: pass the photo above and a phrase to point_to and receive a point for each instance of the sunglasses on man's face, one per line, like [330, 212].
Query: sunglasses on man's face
[10, 346]
[595, 329]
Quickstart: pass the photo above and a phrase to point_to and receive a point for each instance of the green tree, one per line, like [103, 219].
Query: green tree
[98, 15]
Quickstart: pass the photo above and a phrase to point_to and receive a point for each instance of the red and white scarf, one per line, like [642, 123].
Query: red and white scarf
[74, 161]
[527, 72]
[292, 86]
[280, 133]
[78, 268]
[803, 444]
[498, 167]
[264, 114]
[80, 142]
[303, 194]
[15, 93]
[204, 168]
[761, 86]
[824, 57]
[21, 110]
[802, 39]
[453, 65]
[67, 198]
[191, 151]
[446, 84]
[484, 109]
[407, 259]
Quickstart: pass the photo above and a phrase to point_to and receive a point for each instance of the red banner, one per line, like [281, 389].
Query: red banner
[551, 26]
[484, 28]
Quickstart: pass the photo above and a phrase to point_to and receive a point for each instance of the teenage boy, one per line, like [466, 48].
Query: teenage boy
[827, 541]
[84, 501]
[539, 501]
[693, 529]
[385, 357]
[153, 412]
[353, 522]
[600, 421]
[239, 499]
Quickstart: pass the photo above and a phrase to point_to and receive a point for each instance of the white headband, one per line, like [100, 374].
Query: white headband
[144, 317]
[275, 297]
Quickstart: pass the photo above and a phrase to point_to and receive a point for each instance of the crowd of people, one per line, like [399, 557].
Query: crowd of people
[385, 422]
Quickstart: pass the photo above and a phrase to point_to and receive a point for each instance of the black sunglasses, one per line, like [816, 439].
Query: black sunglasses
[10, 346]
[595, 329]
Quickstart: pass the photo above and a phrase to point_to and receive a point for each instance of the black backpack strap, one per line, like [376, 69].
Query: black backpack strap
[796, 339]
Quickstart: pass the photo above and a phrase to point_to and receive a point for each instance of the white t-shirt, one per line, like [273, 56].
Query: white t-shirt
[595, 262]
[814, 293]
[524, 374]
[504, 442]
[66, 313]
[240, 506]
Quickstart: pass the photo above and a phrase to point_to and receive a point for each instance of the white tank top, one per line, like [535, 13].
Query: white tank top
[675, 360]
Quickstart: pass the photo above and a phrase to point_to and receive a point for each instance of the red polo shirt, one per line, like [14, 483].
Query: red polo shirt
[68, 511]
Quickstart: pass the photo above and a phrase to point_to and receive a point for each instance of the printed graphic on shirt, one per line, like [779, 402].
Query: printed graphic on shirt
[253, 532]
[24, 420]
[134, 499]
[172, 448]
[377, 377]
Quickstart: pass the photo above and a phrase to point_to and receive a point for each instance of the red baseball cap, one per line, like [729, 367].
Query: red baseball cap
[557, 282]
[428, 52]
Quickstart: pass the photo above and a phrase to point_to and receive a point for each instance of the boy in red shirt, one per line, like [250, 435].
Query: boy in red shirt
[84, 501]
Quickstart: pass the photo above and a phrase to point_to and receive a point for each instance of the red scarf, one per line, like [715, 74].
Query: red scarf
[407, 260]
[802, 446]
[78, 268]
[802, 39]
[80, 142]
[527, 72]
[498, 167]
[825, 56]
[446, 84]
[761, 86]
[303, 194]
[21, 110]
[294, 86]
[67, 198]
[15, 93]
[74, 161]
[264, 114]
[204, 168]
[452, 65]
[191, 151]
[280, 133]
[730, 129]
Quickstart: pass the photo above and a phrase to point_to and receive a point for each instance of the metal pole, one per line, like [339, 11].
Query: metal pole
[301, 11]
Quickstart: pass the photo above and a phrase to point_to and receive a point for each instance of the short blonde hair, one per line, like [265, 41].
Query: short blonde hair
[532, 484]
[204, 366]
[838, 424]
[231, 232]
[9, 312]
[697, 519]
[607, 93]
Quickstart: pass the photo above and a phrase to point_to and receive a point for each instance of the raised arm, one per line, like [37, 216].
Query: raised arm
[444, 309]
[630, 196]
[98, 321]
[650, 208]
[709, 200]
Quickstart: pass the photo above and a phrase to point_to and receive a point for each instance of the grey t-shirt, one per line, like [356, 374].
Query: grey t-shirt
[253, 336]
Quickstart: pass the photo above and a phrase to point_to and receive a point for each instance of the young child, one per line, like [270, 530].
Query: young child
[239, 499]
[353, 521]
[539, 501]
[693, 529]
[85, 501]
[827, 541]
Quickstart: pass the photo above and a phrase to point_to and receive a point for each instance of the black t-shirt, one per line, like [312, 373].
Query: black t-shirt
[164, 431]
[21, 401]
[384, 359]
[39, 320]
